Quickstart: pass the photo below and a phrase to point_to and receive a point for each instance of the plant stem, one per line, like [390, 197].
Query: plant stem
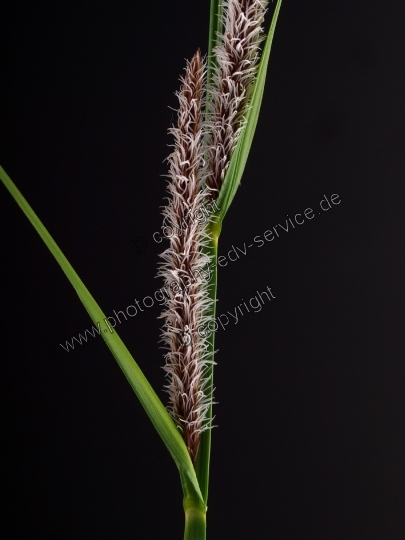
[202, 464]
[194, 510]
[195, 527]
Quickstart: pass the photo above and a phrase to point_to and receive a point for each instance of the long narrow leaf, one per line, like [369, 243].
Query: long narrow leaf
[154, 408]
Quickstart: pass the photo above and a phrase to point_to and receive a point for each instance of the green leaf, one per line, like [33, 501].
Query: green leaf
[240, 155]
[154, 408]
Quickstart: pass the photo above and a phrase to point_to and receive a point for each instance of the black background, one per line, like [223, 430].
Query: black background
[310, 390]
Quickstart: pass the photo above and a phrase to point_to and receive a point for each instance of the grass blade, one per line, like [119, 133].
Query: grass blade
[154, 408]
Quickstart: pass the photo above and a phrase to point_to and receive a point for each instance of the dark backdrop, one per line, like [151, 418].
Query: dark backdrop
[310, 390]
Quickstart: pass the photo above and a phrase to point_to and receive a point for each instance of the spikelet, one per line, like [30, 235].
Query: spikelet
[197, 167]
[237, 54]
[185, 284]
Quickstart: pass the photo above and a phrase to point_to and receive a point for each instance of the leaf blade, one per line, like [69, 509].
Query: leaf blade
[151, 403]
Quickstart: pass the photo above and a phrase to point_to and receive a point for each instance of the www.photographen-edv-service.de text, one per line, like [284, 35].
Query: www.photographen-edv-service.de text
[256, 302]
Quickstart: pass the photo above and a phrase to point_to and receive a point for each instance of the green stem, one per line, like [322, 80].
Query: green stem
[202, 465]
[195, 527]
[195, 512]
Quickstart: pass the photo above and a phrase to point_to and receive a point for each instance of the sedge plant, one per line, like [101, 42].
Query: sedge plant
[219, 104]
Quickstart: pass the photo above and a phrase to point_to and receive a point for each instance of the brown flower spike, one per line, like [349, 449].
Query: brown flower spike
[186, 358]
[198, 163]
[237, 55]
